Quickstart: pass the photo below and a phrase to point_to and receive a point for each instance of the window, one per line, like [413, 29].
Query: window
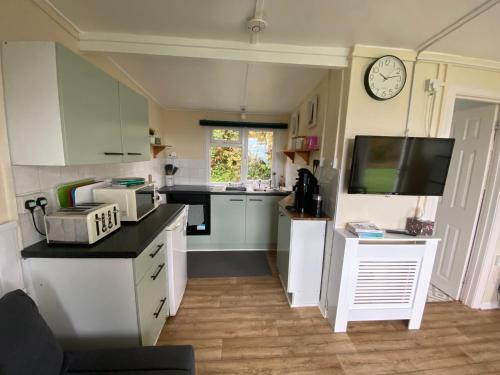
[260, 154]
[226, 152]
[240, 155]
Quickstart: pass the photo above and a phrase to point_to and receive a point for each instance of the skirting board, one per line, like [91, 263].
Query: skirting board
[489, 306]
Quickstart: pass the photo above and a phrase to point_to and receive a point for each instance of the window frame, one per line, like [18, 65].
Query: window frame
[243, 143]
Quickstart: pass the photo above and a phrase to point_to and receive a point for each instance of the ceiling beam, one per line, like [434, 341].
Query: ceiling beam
[325, 57]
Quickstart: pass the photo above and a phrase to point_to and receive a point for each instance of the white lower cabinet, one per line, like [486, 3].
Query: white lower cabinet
[300, 251]
[92, 303]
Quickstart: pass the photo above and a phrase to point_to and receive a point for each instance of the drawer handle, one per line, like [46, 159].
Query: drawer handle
[236, 200]
[113, 153]
[152, 255]
[157, 313]
[134, 153]
[160, 267]
[255, 200]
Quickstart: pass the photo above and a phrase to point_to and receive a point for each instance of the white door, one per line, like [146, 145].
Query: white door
[459, 207]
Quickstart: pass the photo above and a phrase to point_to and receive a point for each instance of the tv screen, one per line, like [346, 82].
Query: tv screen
[400, 165]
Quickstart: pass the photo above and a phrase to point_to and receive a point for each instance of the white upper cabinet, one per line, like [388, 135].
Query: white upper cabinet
[63, 110]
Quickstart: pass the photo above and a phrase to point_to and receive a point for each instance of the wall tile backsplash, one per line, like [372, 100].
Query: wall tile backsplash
[191, 171]
[34, 181]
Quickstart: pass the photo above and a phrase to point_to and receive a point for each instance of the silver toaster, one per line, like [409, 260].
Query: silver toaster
[83, 224]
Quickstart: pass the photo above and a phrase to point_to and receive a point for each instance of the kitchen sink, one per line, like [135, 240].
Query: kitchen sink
[236, 188]
[264, 190]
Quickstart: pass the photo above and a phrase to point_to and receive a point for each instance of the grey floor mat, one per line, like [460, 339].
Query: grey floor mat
[227, 264]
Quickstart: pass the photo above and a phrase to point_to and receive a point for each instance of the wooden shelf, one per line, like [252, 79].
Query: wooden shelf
[157, 149]
[304, 154]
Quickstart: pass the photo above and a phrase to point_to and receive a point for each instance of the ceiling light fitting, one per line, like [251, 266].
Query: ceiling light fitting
[256, 25]
[243, 114]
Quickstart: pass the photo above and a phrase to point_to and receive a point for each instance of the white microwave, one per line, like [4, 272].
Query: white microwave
[135, 202]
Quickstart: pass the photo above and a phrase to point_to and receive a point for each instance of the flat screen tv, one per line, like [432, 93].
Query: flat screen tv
[400, 165]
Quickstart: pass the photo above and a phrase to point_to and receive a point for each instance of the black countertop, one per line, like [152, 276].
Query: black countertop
[127, 242]
[205, 189]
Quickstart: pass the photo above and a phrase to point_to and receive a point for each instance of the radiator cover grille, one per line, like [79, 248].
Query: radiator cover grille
[382, 284]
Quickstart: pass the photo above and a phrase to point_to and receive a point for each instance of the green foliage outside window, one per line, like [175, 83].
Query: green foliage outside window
[260, 155]
[225, 135]
[225, 164]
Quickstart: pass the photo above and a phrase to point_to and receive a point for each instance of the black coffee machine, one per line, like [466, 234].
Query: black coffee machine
[306, 186]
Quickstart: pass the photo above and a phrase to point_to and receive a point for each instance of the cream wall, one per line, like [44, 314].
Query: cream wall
[364, 115]
[181, 129]
[8, 210]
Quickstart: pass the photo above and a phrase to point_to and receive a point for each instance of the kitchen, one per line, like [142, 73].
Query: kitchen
[148, 151]
[68, 167]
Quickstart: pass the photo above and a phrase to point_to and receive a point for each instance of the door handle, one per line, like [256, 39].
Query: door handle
[157, 313]
[152, 255]
[158, 272]
[113, 153]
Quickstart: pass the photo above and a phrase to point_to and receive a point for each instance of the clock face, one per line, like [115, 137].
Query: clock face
[385, 78]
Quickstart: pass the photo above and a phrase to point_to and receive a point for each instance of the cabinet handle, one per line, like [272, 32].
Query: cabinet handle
[282, 214]
[134, 153]
[236, 200]
[158, 272]
[113, 153]
[152, 255]
[255, 200]
[157, 313]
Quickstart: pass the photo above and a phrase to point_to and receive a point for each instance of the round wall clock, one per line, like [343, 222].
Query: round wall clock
[385, 77]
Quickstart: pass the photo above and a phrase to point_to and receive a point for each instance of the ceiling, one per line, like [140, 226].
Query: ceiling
[214, 84]
[181, 82]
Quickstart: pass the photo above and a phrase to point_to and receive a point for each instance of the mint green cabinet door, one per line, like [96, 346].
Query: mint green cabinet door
[90, 111]
[227, 218]
[261, 221]
[283, 246]
[135, 125]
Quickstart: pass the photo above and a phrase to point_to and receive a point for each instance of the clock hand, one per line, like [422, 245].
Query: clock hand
[391, 77]
[384, 77]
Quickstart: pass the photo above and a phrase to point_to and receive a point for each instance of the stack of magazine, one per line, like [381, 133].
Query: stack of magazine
[364, 229]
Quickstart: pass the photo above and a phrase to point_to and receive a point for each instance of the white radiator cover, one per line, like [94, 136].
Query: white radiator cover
[379, 279]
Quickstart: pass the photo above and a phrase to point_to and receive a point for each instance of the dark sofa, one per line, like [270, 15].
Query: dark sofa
[28, 347]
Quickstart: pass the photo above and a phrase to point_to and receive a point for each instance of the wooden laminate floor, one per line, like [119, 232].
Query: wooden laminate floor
[244, 326]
